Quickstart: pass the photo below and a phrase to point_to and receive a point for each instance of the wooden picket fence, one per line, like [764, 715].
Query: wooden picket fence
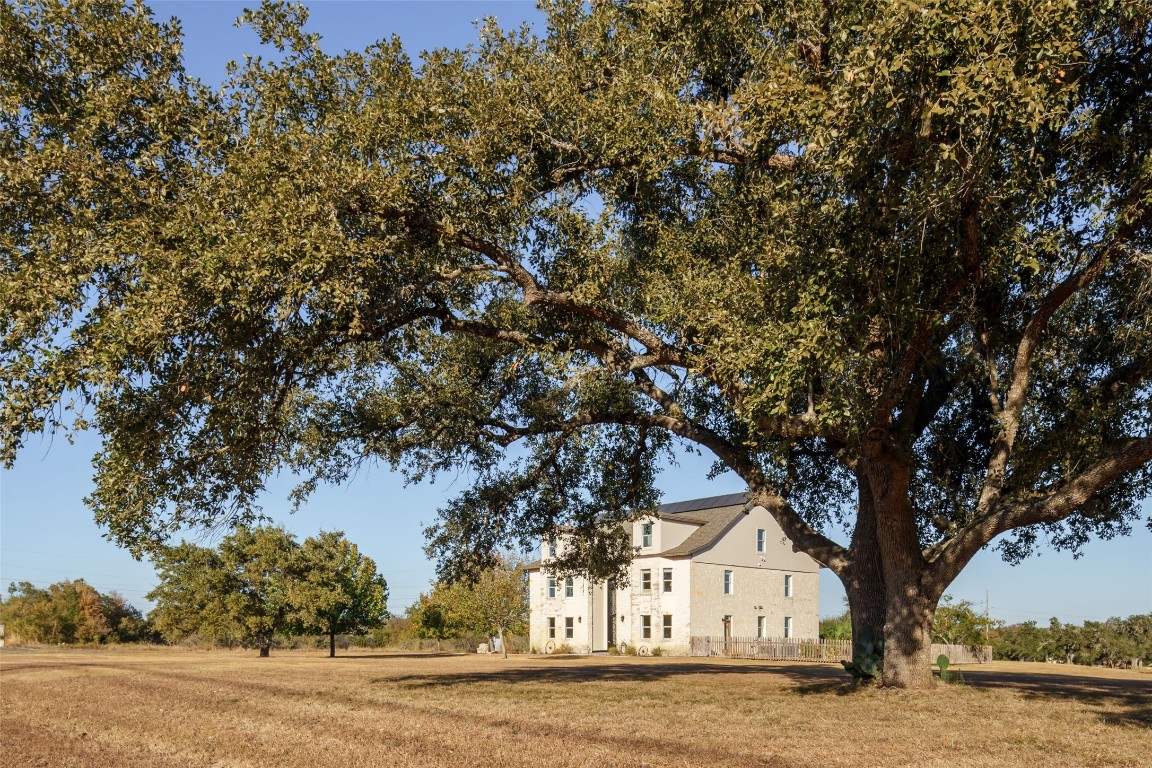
[963, 654]
[772, 648]
[793, 649]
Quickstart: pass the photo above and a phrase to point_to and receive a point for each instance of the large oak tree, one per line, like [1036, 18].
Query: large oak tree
[888, 262]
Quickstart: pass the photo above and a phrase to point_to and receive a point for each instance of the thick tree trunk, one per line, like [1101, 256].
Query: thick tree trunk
[864, 580]
[891, 591]
[264, 650]
[503, 645]
[331, 645]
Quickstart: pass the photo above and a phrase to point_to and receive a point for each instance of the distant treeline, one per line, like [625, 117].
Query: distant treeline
[69, 612]
[1113, 643]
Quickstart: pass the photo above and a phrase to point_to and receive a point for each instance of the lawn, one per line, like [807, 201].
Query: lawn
[145, 707]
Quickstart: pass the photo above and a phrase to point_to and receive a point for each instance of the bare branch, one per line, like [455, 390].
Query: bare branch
[1017, 396]
[1050, 506]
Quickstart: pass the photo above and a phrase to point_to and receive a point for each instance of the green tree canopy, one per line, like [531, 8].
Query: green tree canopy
[888, 262]
[492, 604]
[958, 623]
[68, 612]
[337, 589]
[238, 592]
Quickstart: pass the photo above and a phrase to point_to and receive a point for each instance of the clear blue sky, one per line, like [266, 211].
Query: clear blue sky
[47, 534]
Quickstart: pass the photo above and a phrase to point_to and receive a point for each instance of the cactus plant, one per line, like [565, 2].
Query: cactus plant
[867, 663]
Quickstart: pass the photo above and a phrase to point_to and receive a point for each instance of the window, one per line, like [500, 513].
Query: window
[645, 580]
[646, 627]
[646, 535]
[569, 628]
[759, 539]
[727, 582]
[667, 626]
[667, 579]
[787, 585]
[787, 626]
[569, 587]
[551, 586]
[551, 627]
[552, 548]
[761, 626]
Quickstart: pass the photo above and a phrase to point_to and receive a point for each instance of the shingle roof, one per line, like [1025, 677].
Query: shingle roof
[714, 514]
[709, 502]
[716, 520]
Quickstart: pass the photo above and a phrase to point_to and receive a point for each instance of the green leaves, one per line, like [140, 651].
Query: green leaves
[259, 583]
[549, 259]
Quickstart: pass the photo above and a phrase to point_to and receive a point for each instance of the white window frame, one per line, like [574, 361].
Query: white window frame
[728, 583]
[646, 626]
[646, 534]
[645, 579]
[569, 628]
[787, 627]
[761, 536]
[569, 587]
[761, 627]
[667, 626]
[551, 627]
[552, 548]
[667, 580]
[787, 585]
[551, 586]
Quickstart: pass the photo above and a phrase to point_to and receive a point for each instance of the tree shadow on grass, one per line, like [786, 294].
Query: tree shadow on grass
[1129, 701]
[1132, 696]
[541, 670]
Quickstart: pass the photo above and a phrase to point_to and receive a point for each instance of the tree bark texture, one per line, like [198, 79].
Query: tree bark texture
[331, 645]
[892, 590]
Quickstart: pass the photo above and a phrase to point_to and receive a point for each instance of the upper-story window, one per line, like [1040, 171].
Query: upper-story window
[646, 580]
[646, 535]
[569, 587]
[667, 579]
[552, 548]
[727, 582]
[759, 539]
[551, 586]
[787, 585]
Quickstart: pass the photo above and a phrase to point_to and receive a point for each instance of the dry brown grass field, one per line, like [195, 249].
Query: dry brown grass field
[144, 707]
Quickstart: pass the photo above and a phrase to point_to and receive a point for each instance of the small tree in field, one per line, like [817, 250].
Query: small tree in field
[495, 603]
[239, 592]
[430, 618]
[958, 623]
[337, 589]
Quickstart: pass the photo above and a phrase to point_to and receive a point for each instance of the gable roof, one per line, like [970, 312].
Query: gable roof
[715, 515]
[709, 502]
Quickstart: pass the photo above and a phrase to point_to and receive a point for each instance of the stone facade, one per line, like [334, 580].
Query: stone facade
[695, 544]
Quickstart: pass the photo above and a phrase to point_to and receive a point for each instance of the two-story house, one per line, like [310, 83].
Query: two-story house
[706, 567]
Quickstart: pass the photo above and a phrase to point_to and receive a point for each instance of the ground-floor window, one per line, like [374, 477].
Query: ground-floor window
[761, 626]
[667, 626]
[569, 627]
[551, 627]
[646, 627]
[787, 626]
